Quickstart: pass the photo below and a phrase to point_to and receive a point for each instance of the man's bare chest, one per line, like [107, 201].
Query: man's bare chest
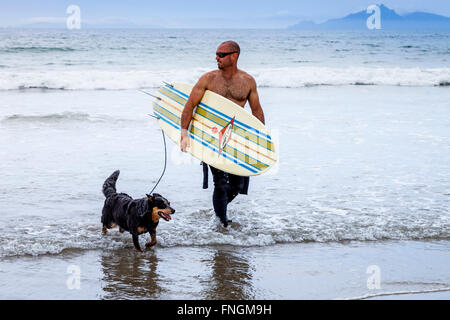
[233, 90]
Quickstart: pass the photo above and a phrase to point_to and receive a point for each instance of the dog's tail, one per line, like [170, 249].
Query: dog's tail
[109, 187]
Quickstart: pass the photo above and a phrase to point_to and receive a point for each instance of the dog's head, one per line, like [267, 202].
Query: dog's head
[160, 207]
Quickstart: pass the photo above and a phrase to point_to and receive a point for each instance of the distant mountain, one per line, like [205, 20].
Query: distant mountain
[390, 20]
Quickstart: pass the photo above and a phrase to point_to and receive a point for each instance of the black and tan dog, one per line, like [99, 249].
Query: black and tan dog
[135, 216]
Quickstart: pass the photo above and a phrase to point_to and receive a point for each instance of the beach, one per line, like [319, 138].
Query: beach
[310, 271]
[357, 206]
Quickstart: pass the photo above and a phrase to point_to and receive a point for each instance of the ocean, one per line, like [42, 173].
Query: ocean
[362, 125]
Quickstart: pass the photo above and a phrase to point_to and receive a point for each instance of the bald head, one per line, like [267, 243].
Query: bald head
[227, 55]
[231, 46]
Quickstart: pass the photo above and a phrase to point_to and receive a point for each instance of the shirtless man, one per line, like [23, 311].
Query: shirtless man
[239, 87]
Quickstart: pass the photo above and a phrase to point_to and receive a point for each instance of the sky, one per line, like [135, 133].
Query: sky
[200, 13]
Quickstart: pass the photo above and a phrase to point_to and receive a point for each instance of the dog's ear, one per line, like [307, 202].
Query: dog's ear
[149, 198]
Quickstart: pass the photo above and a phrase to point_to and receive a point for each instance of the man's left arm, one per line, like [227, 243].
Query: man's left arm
[253, 100]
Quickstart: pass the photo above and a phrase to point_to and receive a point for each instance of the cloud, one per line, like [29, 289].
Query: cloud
[111, 20]
[45, 20]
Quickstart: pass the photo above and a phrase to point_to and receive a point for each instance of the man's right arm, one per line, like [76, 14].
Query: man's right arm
[194, 99]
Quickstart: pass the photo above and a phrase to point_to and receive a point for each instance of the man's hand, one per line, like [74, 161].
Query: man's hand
[186, 116]
[184, 141]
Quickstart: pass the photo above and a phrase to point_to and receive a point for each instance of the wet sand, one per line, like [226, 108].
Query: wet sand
[405, 270]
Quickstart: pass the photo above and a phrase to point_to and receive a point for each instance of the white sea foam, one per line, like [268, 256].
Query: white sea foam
[399, 293]
[249, 229]
[60, 117]
[269, 77]
[312, 76]
[51, 117]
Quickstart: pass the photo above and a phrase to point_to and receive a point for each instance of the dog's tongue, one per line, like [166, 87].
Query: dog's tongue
[165, 216]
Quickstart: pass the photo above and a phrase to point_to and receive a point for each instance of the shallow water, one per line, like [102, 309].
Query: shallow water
[130, 59]
[288, 271]
[371, 165]
[361, 122]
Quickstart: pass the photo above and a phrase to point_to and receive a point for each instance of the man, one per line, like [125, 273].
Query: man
[239, 87]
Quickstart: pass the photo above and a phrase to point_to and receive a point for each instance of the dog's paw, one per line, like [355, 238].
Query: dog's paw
[150, 244]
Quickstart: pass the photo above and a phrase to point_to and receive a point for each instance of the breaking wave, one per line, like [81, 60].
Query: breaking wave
[36, 49]
[62, 117]
[396, 293]
[52, 117]
[41, 237]
[270, 77]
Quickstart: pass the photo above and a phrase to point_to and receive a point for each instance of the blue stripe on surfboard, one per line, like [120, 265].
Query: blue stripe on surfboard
[219, 116]
[246, 138]
[205, 133]
[259, 145]
[246, 155]
[227, 118]
[224, 154]
[204, 143]
[157, 114]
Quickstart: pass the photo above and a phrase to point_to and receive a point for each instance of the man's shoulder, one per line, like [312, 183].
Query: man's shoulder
[210, 74]
[206, 78]
[246, 76]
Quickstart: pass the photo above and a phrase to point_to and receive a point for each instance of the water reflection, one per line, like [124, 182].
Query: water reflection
[231, 276]
[130, 275]
[215, 273]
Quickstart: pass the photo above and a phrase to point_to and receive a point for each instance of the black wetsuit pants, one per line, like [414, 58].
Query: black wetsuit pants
[226, 187]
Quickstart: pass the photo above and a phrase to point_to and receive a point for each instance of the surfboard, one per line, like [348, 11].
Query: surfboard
[222, 133]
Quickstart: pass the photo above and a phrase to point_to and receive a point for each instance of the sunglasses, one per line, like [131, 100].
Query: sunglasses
[224, 54]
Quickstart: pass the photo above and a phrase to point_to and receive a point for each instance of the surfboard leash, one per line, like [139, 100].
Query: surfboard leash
[165, 145]
[165, 161]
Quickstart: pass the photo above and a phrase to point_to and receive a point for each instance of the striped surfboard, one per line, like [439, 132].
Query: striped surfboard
[222, 133]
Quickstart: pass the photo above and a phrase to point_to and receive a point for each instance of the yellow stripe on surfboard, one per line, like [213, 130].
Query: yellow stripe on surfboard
[219, 121]
[212, 140]
[197, 120]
